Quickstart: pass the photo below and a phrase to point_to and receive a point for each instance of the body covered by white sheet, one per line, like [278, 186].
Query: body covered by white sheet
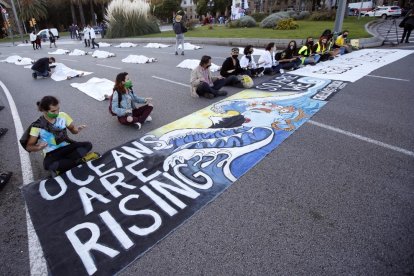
[96, 88]
[193, 63]
[62, 72]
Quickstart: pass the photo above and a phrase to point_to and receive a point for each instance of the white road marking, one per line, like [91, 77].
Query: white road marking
[117, 68]
[69, 59]
[37, 261]
[363, 138]
[388, 78]
[167, 80]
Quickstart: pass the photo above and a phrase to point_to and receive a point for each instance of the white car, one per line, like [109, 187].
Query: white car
[44, 34]
[384, 12]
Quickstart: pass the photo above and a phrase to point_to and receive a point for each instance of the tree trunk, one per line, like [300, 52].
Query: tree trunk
[72, 10]
[92, 12]
[103, 11]
[82, 16]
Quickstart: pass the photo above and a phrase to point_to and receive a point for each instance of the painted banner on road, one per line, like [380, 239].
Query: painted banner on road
[353, 66]
[101, 216]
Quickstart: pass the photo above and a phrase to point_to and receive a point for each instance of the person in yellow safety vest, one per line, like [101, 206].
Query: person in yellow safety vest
[341, 43]
[321, 48]
[306, 53]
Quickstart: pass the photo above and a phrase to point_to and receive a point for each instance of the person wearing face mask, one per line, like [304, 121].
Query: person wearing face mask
[289, 58]
[342, 44]
[204, 84]
[231, 66]
[248, 64]
[42, 67]
[49, 135]
[267, 60]
[321, 48]
[124, 102]
[306, 53]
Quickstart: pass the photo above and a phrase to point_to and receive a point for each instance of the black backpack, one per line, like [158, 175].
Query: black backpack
[61, 135]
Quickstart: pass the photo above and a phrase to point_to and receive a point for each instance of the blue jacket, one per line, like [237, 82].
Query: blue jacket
[127, 102]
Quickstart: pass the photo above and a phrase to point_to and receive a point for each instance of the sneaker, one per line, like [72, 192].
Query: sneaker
[182, 53]
[68, 77]
[209, 95]
[221, 93]
[176, 53]
[4, 178]
[138, 125]
[34, 75]
[282, 71]
[148, 119]
[3, 131]
[90, 156]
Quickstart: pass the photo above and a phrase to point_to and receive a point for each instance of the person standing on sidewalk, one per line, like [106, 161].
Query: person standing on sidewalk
[86, 36]
[92, 36]
[408, 25]
[179, 30]
[52, 39]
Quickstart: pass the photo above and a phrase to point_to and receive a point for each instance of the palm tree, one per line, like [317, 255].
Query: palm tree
[33, 9]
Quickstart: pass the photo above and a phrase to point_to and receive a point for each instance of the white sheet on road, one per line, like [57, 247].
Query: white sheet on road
[193, 63]
[96, 88]
[102, 54]
[59, 52]
[157, 45]
[78, 52]
[189, 46]
[62, 72]
[256, 52]
[126, 45]
[18, 60]
[351, 67]
[104, 44]
[138, 59]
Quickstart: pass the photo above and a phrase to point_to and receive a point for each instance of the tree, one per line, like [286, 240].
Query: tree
[33, 9]
[166, 8]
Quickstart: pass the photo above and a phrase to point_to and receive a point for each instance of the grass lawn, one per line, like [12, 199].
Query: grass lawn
[306, 28]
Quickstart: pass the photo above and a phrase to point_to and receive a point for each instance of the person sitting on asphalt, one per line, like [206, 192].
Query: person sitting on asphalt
[267, 60]
[321, 48]
[231, 66]
[342, 44]
[289, 58]
[248, 64]
[124, 100]
[42, 67]
[306, 53]
[205, 85]
[49, 134]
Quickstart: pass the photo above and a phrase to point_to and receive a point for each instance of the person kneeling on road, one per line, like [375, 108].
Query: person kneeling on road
[203, 84]
[49, 134]
[123, 103]
[42, 67]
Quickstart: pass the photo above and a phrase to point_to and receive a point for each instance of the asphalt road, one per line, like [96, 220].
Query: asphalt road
[322, 203]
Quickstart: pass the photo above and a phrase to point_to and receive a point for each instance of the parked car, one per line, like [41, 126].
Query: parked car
[97, 29]
[384, 12]
[44, 34]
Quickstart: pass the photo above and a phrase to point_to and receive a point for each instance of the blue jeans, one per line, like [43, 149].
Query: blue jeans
[42, 74]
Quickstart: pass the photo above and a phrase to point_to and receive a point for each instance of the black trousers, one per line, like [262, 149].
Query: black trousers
[204, 88]
[67, 157]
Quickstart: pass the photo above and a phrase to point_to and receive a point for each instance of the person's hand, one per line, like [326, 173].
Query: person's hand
[231, 71]
[81, 127]
[148, 100]
[130, 119]
[41, 146]
[220, 77]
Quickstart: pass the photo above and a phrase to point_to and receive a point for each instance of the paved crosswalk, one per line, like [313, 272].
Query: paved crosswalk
[390, 30]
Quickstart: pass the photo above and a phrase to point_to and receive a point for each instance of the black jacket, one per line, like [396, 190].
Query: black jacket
[179, 28]
[228, 65]
[41, 65]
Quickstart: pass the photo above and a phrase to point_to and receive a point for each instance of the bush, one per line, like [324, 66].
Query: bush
[243, 22]
[259, 16]
[322, 16]
[192, 23]
[272, 20]
[287, 24]
[126, 18]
